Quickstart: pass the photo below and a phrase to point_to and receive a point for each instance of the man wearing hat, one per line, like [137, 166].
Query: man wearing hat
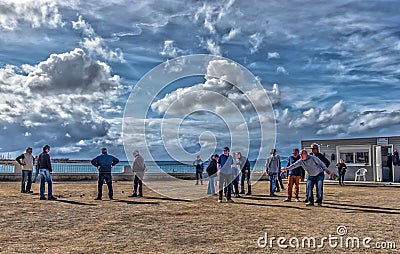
[138, 168]
[272, 167]
[104, 162]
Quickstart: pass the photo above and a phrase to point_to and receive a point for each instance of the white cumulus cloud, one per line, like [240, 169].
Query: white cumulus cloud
[66, 93]
[37, 13]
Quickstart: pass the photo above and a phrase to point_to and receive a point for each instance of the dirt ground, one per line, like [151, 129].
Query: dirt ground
[76, 223]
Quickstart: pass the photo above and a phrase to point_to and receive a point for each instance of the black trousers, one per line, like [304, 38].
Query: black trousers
[137, 182]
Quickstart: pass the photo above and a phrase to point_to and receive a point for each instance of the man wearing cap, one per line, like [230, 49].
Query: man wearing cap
[315, 169]
[104, 162]
[45, 170]
[225, 175]
[272, 167]
[26, 160]
[138, 168]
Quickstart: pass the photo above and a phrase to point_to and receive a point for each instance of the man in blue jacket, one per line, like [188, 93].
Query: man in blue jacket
[104, 162]
[225, 175]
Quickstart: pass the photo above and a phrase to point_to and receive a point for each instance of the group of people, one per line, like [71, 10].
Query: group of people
[315, 164]
[230, 169]
[104, 163]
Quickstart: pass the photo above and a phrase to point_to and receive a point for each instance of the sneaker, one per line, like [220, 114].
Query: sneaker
[133, 195]
[319, 204]
[97, 198]
[305, 200]
[219, 200]
[287, 200]
[52, 198]
[310, 204]
[238, 196]
[230, 201]
[43, 198]
[297, 200]
[30, 192]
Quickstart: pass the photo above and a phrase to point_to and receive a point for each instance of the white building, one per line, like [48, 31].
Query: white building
[373, 154]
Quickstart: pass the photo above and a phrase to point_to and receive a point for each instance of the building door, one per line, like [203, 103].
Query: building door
[378, 163]
[387, 163]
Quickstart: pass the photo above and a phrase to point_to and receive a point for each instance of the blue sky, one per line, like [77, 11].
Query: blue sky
[67, 68]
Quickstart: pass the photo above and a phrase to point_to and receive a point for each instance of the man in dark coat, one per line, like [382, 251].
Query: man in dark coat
[104, 162]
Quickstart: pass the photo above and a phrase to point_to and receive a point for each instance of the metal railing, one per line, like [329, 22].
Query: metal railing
[6, 168]
[76, 168]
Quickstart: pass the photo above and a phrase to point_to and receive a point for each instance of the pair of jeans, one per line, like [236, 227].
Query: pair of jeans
[272, 183]
[26, 177]
[245, 177]
[108, 179]
[199, 176]
[211, 186]
[235, 184]
[318, 181]
[293, 180]
[35, 176]
[225, 185]
[45, 176]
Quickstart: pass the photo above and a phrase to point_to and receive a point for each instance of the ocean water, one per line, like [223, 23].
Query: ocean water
[152, 167]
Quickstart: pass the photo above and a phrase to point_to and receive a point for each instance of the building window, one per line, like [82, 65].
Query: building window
[356, 155]
[362, 157]
[347, 157]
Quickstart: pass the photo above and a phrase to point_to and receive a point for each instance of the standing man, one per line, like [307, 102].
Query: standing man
[294, 176]
[245, 170]
[26, 160]
[316, 153]
[272, 167]
[45, 171]
[104, 162]
[199, 169]
[315, 169]
[138, 169]
[225, 175]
